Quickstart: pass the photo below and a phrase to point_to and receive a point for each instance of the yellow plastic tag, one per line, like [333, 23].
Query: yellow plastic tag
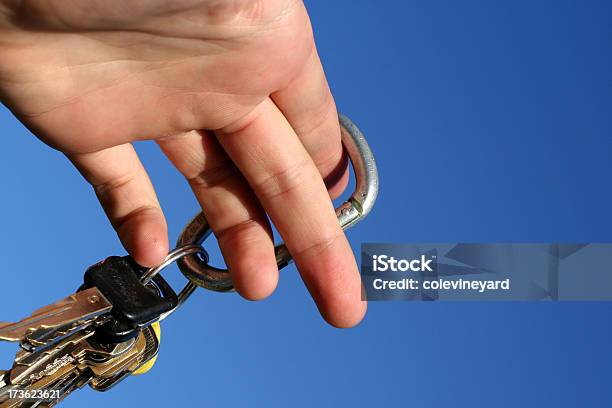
[149, 364]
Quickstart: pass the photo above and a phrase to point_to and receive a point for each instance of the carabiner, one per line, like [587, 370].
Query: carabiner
[351, 212]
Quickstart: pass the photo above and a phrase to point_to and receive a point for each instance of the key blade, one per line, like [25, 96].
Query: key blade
[46, 338]
[78, 307]
[28, 367]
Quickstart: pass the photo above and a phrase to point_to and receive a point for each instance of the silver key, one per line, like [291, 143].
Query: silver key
[73, 363]
[30, 367]
[58, 320]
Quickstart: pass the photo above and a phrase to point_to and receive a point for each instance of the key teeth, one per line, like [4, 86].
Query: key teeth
[54, 335]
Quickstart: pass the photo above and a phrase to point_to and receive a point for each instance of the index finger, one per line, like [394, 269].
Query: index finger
[285, 179]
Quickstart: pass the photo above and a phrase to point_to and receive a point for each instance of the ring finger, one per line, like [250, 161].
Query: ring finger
[234, 213]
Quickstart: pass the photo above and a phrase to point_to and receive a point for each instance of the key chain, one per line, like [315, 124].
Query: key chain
[110, 328]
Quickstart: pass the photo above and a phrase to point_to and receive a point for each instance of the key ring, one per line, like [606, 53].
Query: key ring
[174, 256]
[357, 207]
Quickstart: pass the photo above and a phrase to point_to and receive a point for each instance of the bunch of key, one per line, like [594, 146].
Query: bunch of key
[106, 331]
[97, 336]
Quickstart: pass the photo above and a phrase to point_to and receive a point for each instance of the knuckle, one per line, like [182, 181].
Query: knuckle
[244, 231]
[213, 176]
[329, 157]
[317, 118]
[137, 213]
[284, 182]
[107, 187]
[323, 244]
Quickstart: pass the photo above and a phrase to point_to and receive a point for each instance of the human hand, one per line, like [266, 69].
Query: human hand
[232, 91]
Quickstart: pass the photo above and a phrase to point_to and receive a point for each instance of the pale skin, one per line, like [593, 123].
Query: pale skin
[233, 92]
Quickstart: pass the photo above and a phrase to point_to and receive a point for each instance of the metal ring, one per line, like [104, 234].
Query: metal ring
[175, 255]
[349, 213]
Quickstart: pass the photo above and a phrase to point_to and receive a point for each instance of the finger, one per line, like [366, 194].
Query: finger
[309, 106]
[234, 213]
[128, 198]
[288, 184]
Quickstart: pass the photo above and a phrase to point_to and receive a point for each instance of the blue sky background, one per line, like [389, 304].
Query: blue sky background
[491, 121]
